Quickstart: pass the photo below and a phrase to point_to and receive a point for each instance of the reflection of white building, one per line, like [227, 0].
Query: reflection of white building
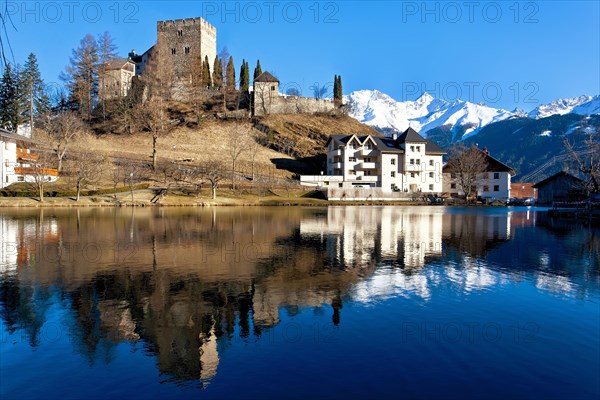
[8, 245]
[406, 234]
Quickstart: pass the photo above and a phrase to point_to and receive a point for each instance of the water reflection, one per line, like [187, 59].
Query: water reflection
[189, 284]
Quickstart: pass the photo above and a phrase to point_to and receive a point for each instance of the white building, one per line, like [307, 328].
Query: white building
[17, 160]
[493, 184]
[407, 163]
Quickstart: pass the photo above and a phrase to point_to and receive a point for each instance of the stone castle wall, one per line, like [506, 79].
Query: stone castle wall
[183, 44]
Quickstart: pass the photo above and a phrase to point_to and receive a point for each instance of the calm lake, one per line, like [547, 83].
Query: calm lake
[291, 302]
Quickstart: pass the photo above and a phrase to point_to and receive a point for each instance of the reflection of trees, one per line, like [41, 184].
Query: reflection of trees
[186, 304]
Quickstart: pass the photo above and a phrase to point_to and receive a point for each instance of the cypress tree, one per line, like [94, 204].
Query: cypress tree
[244, 77]
[10, 101]
[206, 79]
[217, 73]
[257, 70]
[337, 89]
[230, 74]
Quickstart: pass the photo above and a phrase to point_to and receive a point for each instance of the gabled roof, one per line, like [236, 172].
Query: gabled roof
[117, 63]
[492, 164]
[410, 135]
[389, 145]
[266, 77]
[554, 177]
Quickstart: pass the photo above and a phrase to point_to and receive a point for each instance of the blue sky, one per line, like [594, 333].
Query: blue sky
[503, 53]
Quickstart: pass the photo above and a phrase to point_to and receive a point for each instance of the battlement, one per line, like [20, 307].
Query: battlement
[179, 23]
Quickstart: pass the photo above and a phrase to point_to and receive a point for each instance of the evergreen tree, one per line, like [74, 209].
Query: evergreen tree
[81, 75]
[10, 101]
[206, 79]
[257, 70]
[337, 90]
[217, 74]
[230, 74]
[244, 77]
[31, 86]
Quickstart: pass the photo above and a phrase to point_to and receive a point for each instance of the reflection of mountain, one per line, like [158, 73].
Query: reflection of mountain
[188, 284]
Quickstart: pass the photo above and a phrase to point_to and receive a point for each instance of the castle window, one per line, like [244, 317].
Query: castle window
[273, 87]
[173, 51]
[453, 186]
[180, 33]
[187, 50]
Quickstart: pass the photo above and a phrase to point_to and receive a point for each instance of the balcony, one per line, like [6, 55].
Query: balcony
[367, 165]
[337, 152]
[368, 152]
[23, 154]
[337, 165]
[36, 171]
[367, 178]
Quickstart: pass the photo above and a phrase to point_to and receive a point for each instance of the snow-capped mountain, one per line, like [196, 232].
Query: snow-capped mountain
[382, 112]
[584, 105]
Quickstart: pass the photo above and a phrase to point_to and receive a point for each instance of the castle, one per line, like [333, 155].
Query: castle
[181, 47]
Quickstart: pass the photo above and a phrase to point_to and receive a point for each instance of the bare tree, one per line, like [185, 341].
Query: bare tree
[63, 130]
[214, 172]
[237, 141]
[586, 160]
[116, 176]
[465, 165]
[40, 172]
[84, 168]
[152, 117]
[254, 146]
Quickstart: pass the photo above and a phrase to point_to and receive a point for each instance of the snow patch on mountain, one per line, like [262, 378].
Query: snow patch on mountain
[382, 112]
[583, 105]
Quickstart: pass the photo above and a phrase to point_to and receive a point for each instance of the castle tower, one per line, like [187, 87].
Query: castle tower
[182, 46]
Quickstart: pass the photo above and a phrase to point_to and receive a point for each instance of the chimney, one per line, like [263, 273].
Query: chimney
[485, 150]
[394, 136]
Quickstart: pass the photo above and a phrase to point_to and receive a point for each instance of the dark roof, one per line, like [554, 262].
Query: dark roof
[117, 63]
[389, 145]
[410, 135]
[556, 176]
[266, 77]
[4, 134]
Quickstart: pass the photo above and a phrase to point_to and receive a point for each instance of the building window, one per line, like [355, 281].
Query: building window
[368, 146]
[19, 178]
[352, 159]
[273, 88]
[412, 161]
[431, 174]
[486, 188]
[367, 173]
[418, 149]
[412, 174]
[412, 148]
[418, 161]
[340, 185]
[431, 163]
[367, 159]
[180, 33]
[173, 51]
[393, 161]
[393, 174]
[187, 50]
[453, 175]
[351, 172]
[453, 186]
[496, 175]
[430, 187]
[496, 188]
